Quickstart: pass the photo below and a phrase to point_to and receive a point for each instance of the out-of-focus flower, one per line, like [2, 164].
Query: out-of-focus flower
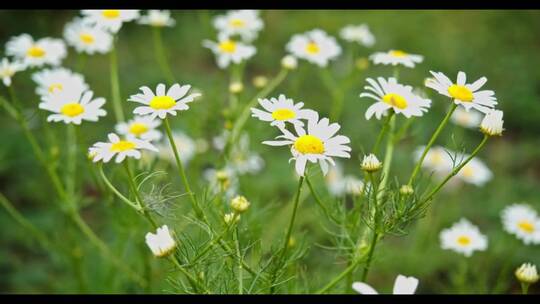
[314, 46]
[463, 237]
[395, 57]
[8, 70]
[245, 23]
[402, 285]
[109, 19]
[157, 18]
[87, 39]
[522, 221]
[358, 33]
[229, 51]
[143, 127]
[52, 81]
[36, 53]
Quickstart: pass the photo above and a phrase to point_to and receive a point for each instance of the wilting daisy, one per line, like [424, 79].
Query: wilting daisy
[522, 221]
[122, 148]
[242, 159]
[281, 110]
[56, 80]
[314, 46]
[463, 237]
[395, 57]
[73, 106]
[36, 53]
[358, 33]
[87, 39]
[317, 144]
[229, 51]
[185, 145]
[143, 127]
[402, 285]
[492, 124]
[245, 23]
[474, 172]
[162, 242]
[8, 70]
[109, 19]
[339, 184]
[157, 18]
[389, 94]
[163, 103]
[438, 160]
[467, 119]
[466, 95]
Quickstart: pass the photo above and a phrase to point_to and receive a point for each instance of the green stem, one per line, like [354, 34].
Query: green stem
[319, 202]
[524, 288]
[340, 277]
[161, 56]
[135, 190]
[382, 133]
[190, 278]
[389, 153]
[71, 172]
[240, 270]
[133, 205]
[81, 59]
[375, 236]
[115, 86]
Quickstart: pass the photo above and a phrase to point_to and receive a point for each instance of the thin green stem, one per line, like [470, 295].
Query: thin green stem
[240, 270]
[71, 172]
[386, 124]
[161, 57]
[138, 195]
[133, 205]
[389, 154]
[524, 288]
[319, 202]
[190, 278]
[375, 236]
[115, 86]
[341, 276]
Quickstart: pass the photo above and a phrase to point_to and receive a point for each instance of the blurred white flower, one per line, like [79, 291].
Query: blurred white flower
[52, 81]
[340, 185]
[289, 62]
[229, 51]
[402, 285]
[185, 145]
[467, 119]
[36, 53]
[223, 181]
[245, 23]
[522, 221]
[157, 18]
[109, 19]
[438, 160]
[463, 237]
[281, 110]
[87, 39]
[242, 159]
[161, 243]
[474, 172]
[395, 57]
[122, 148]
[73, 106]
[358, 33]
[8, 70]
[143, 127]
[314, 46]
[492, 124]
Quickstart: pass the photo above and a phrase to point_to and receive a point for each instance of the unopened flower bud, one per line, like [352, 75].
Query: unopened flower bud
[527, 273]
[289, 62]
[228, 218]
[406, 190]
[239, 204]
[236, 87]
[260, 81]
[370, 163]
[361, 63]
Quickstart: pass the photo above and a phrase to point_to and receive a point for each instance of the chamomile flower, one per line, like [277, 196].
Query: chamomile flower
[395, 57]
[242, 159]
[36, 53]
[157, 18]
[316, 144]
[463, 94]
[467, 119]
[186, 147]
[73, 106]
[122, 148]
[340, 185]
[228, 50]
[402, 285]
[359, 34]
[314, 46]
[474, 172]
[143, 127]
[163, 102]
[438, 160]
[389, 94]
[245, 23]
[8, 70]
[162, 242]
[87, 39]
[281, 110]
[52, 81]
[223, 181]
[492, 124]
[522, 221]
[463, 237]
[109, 19]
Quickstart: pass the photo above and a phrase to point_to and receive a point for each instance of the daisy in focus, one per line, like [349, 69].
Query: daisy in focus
[87, 39]
[389, 94]
[402, 285]
[522, 221]
[314, 46]
[464, 94]
[8, 70]
[466, 119]
[316, 144]
[121, 148]
[157, 18]
[73, 106]
[229, 51]
[163, 102]
[474, 172]
[395, 57]
[281, 110]
[109, 19]
[143, 127]
[162, 242]
[359, 34]
[463, 237]
[245, 23]
[51, 81]
[36, 53]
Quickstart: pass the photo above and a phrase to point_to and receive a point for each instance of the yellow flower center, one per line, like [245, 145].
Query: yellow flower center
[398, 53]
[312, 48]
[138, 128]
[526, 226]
[309, 144]
[283, 114]
[227, 46]
[35, 51]
[162, 103]
[237, 22]
[72, 109]
[395, 100]
[87, 38]
[468, 171]
[437, 158]
[122, 146]
[464, 240]
[460, 92]
[111, 14]
[55, 87]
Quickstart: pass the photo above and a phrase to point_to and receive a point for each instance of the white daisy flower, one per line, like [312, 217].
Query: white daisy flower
[492, 124]
[314, 46]
[466, 95]
[438, 160]
[8, 70]
[56, 80]
[224, 180]
[122, 148]
[402, 285]
[242, 160]
[87, 39]
[467, 119]
[522, 221]
[163, 103]
[340, 185]
[37, 53]
[157, 18]
[463, 237]
[73, 106]
[395, 57]
[229, 51]
[358, 33]
[317, 144]
[245, 23]
[389, 94]
[162, 242]
[186, 147]
[143, 127]
[281, 110]
[474, 172]
[219, 141]
[109, 19]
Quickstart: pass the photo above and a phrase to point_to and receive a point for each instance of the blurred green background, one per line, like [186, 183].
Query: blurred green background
[504, 46]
